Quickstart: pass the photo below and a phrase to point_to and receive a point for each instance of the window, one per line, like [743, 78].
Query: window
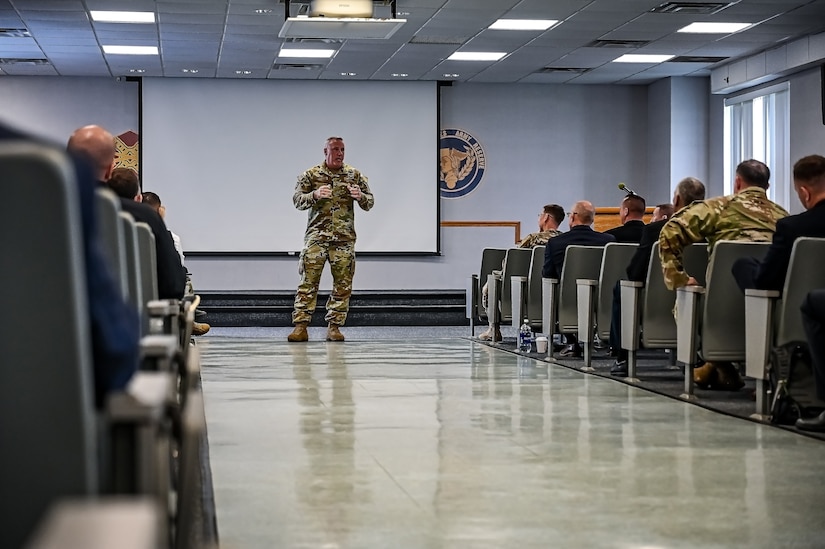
[757, 125]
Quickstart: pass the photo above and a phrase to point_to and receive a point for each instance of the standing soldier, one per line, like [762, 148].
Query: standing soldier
[747, 214]
[328, 191]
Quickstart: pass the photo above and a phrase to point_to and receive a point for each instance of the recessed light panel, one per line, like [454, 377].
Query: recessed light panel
[714, 28]
[123, 16]
[476, 56]
[130, 50]
[306, 53]
[642, 58]
[523, 24]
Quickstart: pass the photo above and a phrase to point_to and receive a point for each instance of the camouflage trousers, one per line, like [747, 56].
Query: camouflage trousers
[341, 258]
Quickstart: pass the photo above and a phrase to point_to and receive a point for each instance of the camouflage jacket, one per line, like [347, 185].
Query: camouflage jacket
[747, 215]
[331, 218]
[538, 239]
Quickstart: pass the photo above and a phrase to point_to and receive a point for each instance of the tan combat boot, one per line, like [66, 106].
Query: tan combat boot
[299, 333]
[334, 334]
[705, 376]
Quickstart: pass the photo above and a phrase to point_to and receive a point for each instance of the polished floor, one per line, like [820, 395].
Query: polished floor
[415, 438]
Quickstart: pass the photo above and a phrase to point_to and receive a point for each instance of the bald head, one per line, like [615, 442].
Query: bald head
[582, 213]
[97, 146]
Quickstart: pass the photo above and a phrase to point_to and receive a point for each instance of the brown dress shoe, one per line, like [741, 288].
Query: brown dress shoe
[705, 376]
[299, 333]
[727, 377]
[334, 334]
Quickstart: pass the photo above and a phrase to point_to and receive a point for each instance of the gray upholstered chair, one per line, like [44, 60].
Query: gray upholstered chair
[491, 260]
[516, 263]
[110, 228]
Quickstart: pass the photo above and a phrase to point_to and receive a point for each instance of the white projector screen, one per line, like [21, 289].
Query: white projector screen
[224, 156]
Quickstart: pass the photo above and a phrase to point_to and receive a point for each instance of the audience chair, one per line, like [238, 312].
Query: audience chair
[110, 229]
[559, 298]
[714, 314]
[647, 307]
[595, 296]
[193, 431]
[133, 266]
[772, 318]
[516, 264]
[491, 259]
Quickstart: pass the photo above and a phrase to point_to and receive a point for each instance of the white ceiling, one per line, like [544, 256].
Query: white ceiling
[228, 39]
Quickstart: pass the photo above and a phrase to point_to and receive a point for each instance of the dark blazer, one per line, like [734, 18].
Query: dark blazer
[580, 235]
[115, 327]
[630, 232]
[171, 273]
[637, 269]
[769, 274]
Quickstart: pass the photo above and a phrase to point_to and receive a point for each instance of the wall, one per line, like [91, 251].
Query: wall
[544, 143]
[807, 129]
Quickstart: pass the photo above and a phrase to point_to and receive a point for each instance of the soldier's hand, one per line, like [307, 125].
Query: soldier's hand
[324, 191]
[692, 282]
[355, 192]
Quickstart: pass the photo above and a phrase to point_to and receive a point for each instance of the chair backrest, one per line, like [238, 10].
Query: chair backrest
[130, 247]
[723, 317]
[148, 261]
[111, 235]
[806, 272]
[491, 260]
[658, 323]
[47, 420]
[615, 260]
[534, 288]
[579, 262]
[516, 263]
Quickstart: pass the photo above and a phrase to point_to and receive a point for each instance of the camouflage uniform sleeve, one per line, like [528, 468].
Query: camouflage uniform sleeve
[367, 200]
[687, 226]
[303, 198]
[526, 242]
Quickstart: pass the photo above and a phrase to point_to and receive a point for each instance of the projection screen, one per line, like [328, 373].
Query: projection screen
[224, 156]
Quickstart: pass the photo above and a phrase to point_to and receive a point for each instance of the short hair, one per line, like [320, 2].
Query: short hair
[635, 204]
[754, 173]
[665, 209]
[690, 190]
[810, 170]
[555, 211]
[333, 138]
[124, 182]
[152, 199]
[585, 211]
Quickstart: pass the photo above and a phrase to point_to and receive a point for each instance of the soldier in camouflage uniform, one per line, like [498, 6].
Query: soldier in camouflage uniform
[549, 220]
[747, 214]
[329, 191]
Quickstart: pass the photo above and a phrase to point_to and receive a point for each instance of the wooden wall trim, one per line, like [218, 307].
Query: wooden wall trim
[516, 225]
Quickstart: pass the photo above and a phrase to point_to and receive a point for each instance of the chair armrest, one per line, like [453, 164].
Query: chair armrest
[759, 330]
[631, 284]
[163, 316]
[630, 294]
[774, 294]
[157, 352]
[688, 313]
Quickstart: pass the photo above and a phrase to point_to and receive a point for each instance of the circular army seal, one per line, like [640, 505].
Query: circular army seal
[462, 163]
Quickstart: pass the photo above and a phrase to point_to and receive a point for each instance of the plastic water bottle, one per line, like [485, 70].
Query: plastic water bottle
[525, 337]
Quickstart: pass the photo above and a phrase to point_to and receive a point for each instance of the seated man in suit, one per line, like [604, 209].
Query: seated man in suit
[662, 211]
[631, 214]
[688, 191]
[813, 319]
[769, 274]
[550, 218]
[746, 215]
[581, 233]
[98, 145]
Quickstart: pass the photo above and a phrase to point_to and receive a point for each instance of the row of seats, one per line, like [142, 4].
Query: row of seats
[712, 320]
[74, 474]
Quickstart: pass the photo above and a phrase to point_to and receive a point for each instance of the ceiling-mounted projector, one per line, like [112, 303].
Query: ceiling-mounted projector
[341, 8]
[340, 20]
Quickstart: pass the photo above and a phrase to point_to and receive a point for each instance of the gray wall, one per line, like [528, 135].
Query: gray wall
[544, 143]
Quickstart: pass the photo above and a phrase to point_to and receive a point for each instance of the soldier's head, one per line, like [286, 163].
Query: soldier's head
[334, 153]
[582, 213]
[662, 211]
[688, 191]
[809, 180]
[751, 173]
[153, 200]
[124, 182]
[97, 146]
[633, 207]
[551, 217]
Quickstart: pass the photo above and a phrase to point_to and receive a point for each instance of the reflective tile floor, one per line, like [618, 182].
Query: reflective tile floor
[416, 442]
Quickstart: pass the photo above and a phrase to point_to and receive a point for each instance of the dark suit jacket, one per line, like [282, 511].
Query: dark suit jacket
[637, 269]
[769, 274]
[630, 232]
[580, 235]
[115, 327]
[171, 274]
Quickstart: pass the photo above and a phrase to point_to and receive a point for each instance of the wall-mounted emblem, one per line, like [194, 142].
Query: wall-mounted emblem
[462, 163]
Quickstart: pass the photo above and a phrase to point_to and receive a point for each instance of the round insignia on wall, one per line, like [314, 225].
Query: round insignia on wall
[462, 163]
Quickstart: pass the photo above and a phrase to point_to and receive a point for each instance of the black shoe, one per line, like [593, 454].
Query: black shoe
[619, 368]
[814, 424]
[573, 350]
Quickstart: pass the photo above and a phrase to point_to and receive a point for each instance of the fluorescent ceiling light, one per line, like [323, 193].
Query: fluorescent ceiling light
[715, 28]
[309, 54]
[123, 16]
[523, 24]
[642, 58]
[476, 56]
[131, 50]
